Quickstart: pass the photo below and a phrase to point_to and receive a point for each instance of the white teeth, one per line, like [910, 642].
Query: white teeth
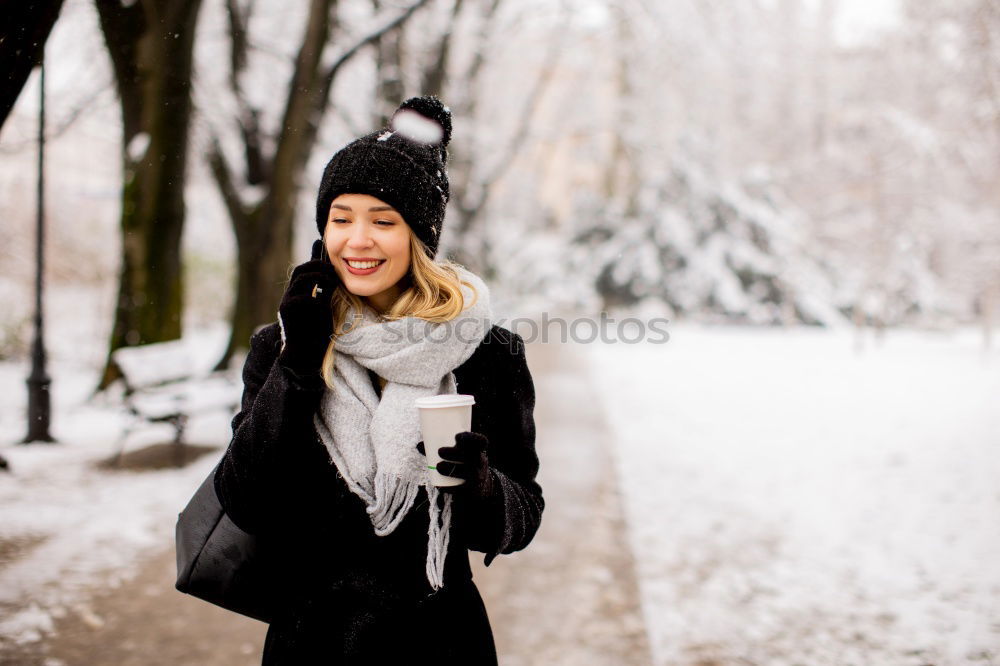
[363, 264]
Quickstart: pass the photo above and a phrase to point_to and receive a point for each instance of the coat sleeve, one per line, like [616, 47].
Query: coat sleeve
[509, 518]
[261, 474]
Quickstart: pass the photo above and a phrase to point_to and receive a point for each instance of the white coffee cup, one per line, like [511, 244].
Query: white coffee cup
[441, 418]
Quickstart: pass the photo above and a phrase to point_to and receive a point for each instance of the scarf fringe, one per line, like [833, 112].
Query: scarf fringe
[393, 500]
[437, 548]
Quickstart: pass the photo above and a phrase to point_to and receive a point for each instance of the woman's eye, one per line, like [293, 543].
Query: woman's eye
[339, 219]
[386, 222]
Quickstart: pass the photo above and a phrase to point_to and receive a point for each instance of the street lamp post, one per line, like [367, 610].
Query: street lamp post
[39, 381]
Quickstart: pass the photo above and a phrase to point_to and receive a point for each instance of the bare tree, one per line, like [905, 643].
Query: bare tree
[472, 176]
[388, 71]
[435, 74]
[150, 45]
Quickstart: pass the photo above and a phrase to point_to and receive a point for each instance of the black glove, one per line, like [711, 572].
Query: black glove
[306, 314]
[466, 460]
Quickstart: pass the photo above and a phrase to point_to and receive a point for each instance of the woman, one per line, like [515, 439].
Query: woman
[326, 465]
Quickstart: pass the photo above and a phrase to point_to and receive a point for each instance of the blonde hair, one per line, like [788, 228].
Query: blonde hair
[431, 291]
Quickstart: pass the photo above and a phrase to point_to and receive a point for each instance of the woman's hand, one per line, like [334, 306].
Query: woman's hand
[466, 460]
[306, 315]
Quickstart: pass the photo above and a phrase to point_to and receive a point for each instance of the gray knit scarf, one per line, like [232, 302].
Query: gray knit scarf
[372, 442]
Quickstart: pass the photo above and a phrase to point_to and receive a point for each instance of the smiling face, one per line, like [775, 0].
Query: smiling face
[369, 244]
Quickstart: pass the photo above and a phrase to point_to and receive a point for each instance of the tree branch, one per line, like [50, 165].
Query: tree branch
[477, 63]
[545, 77]
[436, 73]
[238, 43]
[59, 127]
[258, 167]
[224, 180]
[331, 73]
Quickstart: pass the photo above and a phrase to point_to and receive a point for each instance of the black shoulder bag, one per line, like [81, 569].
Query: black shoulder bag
[220, 563]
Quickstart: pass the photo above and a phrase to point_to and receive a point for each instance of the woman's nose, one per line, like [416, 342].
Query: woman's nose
[359, 236]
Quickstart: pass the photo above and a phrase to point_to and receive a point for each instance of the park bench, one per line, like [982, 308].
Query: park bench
[167, 382]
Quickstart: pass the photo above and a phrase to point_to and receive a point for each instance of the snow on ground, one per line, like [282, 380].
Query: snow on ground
[81, 526]
[793, 501]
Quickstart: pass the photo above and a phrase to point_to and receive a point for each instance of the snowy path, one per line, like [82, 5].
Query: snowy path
[792, 502]
[570, 597]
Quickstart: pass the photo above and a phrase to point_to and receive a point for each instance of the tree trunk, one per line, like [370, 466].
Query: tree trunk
[436, 73]
[264, 234]
[388, 73]
[264, 250]
[821, 81]
[467, 197]
[470, 191]
[620, 180]
[151, 52]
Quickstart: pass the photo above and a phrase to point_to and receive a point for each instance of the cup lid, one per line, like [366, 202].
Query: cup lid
[445, 400]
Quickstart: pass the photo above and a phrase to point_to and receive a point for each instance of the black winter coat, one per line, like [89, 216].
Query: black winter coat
[349, 596]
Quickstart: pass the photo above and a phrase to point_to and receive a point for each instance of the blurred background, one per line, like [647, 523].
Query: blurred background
[808, 472]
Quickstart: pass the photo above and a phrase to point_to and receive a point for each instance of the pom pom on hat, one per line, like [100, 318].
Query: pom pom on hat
[416, 111]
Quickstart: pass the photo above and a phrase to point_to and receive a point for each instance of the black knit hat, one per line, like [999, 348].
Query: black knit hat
[404, 165]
